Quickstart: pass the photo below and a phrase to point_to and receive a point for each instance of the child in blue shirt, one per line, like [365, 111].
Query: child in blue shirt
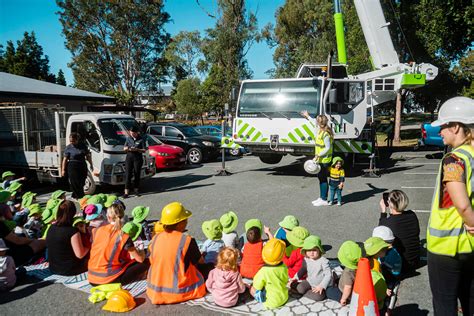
[212, 246]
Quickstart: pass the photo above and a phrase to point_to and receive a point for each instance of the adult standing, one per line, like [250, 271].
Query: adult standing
[450, 239]
[113, 256]
[174, 257]
[135, 147]
[67, 254]
[323, 155]
[74, 164]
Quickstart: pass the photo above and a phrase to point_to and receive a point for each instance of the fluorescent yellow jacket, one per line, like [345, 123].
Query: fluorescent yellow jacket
[446, 234]
[319, 142]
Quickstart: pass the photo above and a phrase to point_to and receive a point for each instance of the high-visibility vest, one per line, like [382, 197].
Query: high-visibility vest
[319, 142]
[105, 263]
[251, 259]
[168, 282]
[446, 234]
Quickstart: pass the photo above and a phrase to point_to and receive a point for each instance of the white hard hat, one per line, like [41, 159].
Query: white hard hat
[457, 109]
[312, 167]
[383, 232]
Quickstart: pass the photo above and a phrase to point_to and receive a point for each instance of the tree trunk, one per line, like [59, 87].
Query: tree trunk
[398, 118]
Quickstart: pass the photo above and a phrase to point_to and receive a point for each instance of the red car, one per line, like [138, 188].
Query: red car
[166, 156]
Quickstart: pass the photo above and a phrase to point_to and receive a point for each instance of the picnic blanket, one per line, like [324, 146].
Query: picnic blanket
[296, 304]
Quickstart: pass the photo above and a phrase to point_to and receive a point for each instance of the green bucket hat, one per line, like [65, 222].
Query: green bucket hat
[289, 222]
[14, 186]
[4, 196]
[47, 216]
[7, 174]
[57, 194]
[253, 223]
[212, 229]
[374, 245]
[312, 242]
[78, 219]
[51, 210]
[27, 199]
[349, 254]
[140, 213]
[336, 159]
[110, 200]
[229, 222]
[35, 209]
[102, 198]
[297, 236]
[97, 199]
[132, 229]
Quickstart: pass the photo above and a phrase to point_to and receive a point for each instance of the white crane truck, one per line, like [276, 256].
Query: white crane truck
[268, 120]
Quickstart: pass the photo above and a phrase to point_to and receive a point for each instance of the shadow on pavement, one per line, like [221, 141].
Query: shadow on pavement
[409, 309]
[23, 290]
[155, 185]
[363, 195]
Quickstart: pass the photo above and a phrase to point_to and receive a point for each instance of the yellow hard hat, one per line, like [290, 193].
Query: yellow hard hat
[174, 213]
[120, 301]
[273, 251]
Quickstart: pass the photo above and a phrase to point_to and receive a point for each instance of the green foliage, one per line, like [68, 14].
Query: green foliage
[184, 52]
[115, 45]
[60, 79]
[464, 71]
[26, 59]
[188, 97]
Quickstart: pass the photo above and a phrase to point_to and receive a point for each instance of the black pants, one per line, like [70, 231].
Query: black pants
[452, 278]
[77, 174]
[305, 289]
[323, 180]
[133, 167]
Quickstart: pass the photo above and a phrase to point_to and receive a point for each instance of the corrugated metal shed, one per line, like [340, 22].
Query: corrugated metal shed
[17, 85]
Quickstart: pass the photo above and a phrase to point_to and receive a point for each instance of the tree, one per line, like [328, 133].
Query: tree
[465, 72]
[225, 48]
[184, 53]
[116, 46]
[60, 79]
[188, 97]
[26, 59]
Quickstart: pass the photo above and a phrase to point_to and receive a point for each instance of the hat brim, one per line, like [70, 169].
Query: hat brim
[233, 226]
[294, 241]
[315, 247]
[92, 217]
[141, 218]
[438, 123]
[377, 249]
[285, 225]
[347, 263]
[209, 234]
[253, 223]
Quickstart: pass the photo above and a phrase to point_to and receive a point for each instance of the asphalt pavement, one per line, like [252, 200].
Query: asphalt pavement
[267, 192]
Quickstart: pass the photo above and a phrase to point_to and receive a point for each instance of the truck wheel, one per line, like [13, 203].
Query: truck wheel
[271, 159]
[194, 155]
[89, 186]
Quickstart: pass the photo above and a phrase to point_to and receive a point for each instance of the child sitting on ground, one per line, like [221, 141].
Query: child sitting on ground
[81, 224]
[376, 248]
[139, 214]
[96, 216]
[213, 244]
[269, 284]
[8, 178]
[391, 263]
[7, 269]
[286, 225]
[336, 180]
[315, 270]
[252, 259]
[229, 222]
[21, 216]
[225, 282]
[34, 226]
[296, 238]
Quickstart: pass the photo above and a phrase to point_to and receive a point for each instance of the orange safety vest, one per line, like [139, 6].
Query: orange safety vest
[251, 259]
[168, 282]
[105, 263]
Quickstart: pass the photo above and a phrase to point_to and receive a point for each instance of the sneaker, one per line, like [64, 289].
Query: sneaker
[317, 201]
[321, 203]
[339, 203]
[330, 203]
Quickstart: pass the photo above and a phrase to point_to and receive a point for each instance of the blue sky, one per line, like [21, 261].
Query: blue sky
[18, 16]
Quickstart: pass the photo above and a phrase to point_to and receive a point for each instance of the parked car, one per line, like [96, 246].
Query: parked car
[197, 147]
[216, 131]
[166, 156]
[430, 136]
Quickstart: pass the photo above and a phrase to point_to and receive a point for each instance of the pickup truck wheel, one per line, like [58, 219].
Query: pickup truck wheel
[194, 155]
[89, 186]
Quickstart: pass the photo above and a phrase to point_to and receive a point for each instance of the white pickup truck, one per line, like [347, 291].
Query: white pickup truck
[33, 138]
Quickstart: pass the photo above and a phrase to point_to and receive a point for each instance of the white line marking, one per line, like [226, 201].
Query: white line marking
[421, 211]
[420, 173]
[418, 187]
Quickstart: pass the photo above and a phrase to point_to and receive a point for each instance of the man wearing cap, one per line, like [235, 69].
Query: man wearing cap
[174, 258]
[135, 147]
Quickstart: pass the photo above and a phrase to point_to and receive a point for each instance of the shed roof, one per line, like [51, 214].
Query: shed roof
[18, 85]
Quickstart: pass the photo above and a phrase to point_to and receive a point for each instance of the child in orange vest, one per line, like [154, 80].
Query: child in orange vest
[252, 251]
[296, 238]
[225, 282]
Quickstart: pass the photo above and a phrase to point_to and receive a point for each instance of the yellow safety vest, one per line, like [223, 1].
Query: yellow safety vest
[446, 234]
[320, 146]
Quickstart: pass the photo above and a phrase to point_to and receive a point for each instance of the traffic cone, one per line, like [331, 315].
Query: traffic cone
[363, 300]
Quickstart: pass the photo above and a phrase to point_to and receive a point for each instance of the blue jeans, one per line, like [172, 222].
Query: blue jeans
[335, 190]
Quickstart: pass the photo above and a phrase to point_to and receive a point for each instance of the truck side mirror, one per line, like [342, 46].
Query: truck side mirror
[332, 96]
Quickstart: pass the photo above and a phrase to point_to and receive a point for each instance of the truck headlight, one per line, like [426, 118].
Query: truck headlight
[209, 144]
[119, 168]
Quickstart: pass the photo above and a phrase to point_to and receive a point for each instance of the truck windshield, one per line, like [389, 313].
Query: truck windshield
[114, 131]
[279, 98]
